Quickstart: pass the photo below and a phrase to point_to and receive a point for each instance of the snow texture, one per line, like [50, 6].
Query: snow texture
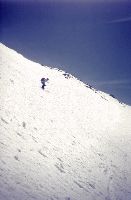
[66, 142]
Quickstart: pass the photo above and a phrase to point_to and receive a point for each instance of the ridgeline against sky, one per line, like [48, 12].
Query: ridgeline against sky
[90, 40]
[66, 142]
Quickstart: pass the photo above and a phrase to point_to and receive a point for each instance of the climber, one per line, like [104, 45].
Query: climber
[43, 81]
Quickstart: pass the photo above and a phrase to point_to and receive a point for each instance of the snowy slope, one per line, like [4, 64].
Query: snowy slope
[68, 142]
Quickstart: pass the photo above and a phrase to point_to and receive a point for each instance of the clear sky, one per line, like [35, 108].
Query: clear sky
[92, 41]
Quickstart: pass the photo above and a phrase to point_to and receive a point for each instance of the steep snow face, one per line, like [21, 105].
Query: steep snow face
[67, 142]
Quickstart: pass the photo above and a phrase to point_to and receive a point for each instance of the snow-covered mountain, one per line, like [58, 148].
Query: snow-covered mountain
[67, 142]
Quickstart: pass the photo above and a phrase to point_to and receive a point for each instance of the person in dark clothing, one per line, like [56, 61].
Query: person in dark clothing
[43, 81]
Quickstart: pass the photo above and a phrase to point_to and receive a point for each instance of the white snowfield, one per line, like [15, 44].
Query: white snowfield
[67, 142]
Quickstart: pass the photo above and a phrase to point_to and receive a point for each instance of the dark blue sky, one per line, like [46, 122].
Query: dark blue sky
[92, 41]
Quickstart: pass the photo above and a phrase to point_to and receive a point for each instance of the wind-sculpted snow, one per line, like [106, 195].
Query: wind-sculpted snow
[66, 142]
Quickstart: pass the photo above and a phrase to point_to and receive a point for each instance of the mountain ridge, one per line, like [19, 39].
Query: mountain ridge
[66, 142]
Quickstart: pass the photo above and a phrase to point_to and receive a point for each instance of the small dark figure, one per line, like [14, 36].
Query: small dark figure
[43, 81]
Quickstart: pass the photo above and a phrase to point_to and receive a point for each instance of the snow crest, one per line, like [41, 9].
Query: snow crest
[66, 142]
